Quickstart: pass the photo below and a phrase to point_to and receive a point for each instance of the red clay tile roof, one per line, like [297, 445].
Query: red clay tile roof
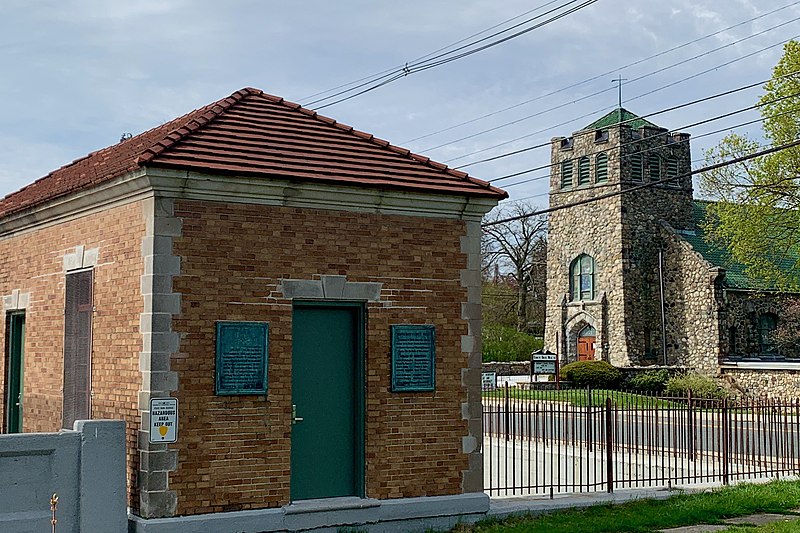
[253, 133]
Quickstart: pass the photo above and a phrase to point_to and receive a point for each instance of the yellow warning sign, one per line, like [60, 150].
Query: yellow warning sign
[163, 420]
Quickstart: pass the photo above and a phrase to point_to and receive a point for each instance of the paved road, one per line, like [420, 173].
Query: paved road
[763, 435]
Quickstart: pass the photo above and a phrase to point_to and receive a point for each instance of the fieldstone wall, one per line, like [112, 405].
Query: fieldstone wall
[742, 310]
[594, 229]
[621, 233]
[642, 213]
[692, 305]
[763, 382]
[515, 368]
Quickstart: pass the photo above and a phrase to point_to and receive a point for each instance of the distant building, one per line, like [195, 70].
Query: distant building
[631, 278]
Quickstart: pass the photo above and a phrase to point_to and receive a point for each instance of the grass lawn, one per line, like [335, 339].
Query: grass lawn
[578, 397]
[778, 527]
[650, 515]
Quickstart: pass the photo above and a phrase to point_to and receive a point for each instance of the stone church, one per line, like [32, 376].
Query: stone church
[631, 278]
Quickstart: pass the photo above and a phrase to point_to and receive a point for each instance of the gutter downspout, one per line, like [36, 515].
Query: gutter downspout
[663, 310]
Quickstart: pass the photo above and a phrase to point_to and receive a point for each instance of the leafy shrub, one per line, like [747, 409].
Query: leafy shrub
[505, 343]
[700, 386]
[649, 381]
[595, 374]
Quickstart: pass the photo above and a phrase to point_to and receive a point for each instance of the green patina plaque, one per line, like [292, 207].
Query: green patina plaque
[413, 358]
[242, 358]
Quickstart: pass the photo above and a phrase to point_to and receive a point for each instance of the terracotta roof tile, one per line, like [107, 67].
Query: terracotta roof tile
[257, 134]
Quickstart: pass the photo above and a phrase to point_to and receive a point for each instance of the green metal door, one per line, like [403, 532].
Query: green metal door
[16, 346]
[327, 430]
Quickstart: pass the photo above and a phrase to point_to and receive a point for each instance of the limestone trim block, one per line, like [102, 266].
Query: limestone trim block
[159, 343]
[330, 288]
[80, 258]
[16, 301]
[471, 346]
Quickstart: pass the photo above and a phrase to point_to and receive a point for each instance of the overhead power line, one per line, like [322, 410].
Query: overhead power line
[602, 91]
[666, 110]
[608, 108]
[645, 150]
[598, 76]
[707, 168]
[442, 59]
[654, 148]
[399, 68]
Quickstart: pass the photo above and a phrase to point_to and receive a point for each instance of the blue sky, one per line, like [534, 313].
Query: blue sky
[79, 73]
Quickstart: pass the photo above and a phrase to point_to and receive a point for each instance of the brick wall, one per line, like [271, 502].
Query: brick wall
[33, 263]
[234, 452]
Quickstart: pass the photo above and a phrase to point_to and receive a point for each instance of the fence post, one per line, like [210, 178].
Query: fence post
[589, 419]
[609, 450]
[690, 425]
[507, 413]
[725, 438]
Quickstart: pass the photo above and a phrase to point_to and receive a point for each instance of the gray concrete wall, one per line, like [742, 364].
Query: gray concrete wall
[84, 467]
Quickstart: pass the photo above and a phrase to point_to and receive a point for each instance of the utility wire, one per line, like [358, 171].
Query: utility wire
[405, 69]
[378, 75]
[539, 195]
[602, 91]
[650, 149]
[707, 168]
[660, 88]
[673, 108]
[435, 62]
[607, 73]
[729, 128]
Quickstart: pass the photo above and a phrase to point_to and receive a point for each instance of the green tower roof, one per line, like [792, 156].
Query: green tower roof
[620, 115]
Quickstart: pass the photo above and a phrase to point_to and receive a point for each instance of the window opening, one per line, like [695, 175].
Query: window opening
[767, 324]
[636, 167]
[732, 348]
[566, 174]
[654, 166]
[584, 176]
[77, 347]
[672, 170]
[601, 168]
[582, 276]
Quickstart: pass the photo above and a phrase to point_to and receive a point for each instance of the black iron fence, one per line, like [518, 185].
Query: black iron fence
[544, 442]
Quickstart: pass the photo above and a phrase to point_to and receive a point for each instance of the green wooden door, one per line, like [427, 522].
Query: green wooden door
[16, 346]
[327, 434]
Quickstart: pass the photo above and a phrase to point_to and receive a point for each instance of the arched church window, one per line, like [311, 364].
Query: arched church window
[601, 168]
[566, 174]
[582, 278]
[767, 324]
[584, 176]
[636, 167]
[654, 166]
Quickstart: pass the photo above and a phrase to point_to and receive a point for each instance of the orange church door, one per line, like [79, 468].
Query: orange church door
[586, 340]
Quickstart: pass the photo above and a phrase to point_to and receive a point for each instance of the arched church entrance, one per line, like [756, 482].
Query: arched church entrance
[586, 343]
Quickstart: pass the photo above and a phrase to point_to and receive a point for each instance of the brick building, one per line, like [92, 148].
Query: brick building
[631, 277]
[310, 294]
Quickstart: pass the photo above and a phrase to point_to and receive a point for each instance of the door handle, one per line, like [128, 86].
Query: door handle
[295, 418]
[19, 401]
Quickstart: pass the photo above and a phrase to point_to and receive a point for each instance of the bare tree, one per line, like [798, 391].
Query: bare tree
[516, 251]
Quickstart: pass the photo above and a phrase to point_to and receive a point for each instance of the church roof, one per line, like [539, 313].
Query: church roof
[620, 115]
[256, 134]
[736, 276]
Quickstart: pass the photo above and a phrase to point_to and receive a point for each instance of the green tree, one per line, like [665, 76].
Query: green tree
[756, 216]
